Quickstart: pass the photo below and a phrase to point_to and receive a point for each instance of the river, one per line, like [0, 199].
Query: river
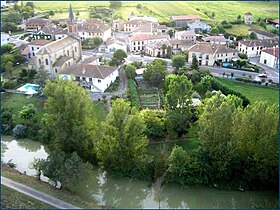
[128, 193]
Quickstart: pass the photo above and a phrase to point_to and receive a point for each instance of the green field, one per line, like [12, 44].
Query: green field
[163, 10]
[13, 199]
[242, 29]
[252, 92]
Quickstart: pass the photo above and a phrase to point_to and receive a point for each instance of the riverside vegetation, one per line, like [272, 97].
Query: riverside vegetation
[236, 142]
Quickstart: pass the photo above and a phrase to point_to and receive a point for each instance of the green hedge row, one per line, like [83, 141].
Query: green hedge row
[217, 85]
[132, 94]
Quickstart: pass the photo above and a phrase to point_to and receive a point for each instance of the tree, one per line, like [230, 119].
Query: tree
[178, 91]
[41, 77]
[214, 31]
[155, 73]
[155, 123]
[70, 118]
[239, 37]
[119, 55]
[9, 67]
[51, 13]
[30, 4]
[194, 65]
[178, 61]
[9, 27]
[123, 142]
[6, 48]
[242, 56]
[169, 51]
[215, 125]
[213, 14]
[253, 35]
[171, 33]
[28, 112]
[115, 4]
[262, 24]
[239, 17]
[130, 71]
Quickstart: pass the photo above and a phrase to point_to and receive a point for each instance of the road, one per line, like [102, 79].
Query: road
[37, 194]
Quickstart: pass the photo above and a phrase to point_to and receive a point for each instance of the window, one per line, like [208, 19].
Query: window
[134, 48]
[37, 48]
[77, 78]
[226, 54]
[206, 63]
[67, 52]
[134, 43]
[47, 61]
[138, 43]
[233, 53]
[200, 55]
[40, 62]
[33, 54]
[32, 48]
[218, 55]
[138, 47]
[257, 48]
[252, 48]
[55, 70]
[142, 42]
[193, 55]
[246, 48]
[99, 81]
[222, 55]
[90, 79]
[83, 78]
[207, 57]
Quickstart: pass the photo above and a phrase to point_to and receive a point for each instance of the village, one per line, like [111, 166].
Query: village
[106, 110]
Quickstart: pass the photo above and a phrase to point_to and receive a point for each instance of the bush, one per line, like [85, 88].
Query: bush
[10, 84]
[242, 56]
[19, 131]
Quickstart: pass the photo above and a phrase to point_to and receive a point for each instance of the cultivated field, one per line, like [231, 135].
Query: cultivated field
[163, 10]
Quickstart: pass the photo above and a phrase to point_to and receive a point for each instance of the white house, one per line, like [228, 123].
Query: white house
[253, 48]
[137, 42]
[5, 38]
[36, 45]
[96, 78]
[215, 39]
[112, 45]
[90, 30]
[270, 57]
[198, 25]
[185, 35]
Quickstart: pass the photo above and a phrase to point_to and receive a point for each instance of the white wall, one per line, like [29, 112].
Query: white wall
[269, 60]
[5, 38]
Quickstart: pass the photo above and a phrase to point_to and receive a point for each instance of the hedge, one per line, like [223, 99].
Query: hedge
[132, 94]
[217, 85]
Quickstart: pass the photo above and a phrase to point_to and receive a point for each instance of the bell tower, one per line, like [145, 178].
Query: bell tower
[71, 23]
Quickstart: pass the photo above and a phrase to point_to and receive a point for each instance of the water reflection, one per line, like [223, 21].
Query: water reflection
[127, 193]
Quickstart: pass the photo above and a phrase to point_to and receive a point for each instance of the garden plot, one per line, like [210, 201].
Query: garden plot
[149, 99]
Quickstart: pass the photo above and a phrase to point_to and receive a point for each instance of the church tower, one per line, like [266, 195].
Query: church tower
[71, 23]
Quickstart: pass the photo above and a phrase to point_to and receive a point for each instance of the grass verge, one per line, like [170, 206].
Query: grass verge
[253, 92]
[12, 199]
[61, 194]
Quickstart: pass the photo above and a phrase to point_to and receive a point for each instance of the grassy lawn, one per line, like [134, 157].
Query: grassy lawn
[163, 11]
[242, 29]
[48, 189]
[100, 111]
[16, 101]
[252, 92]
[13, 199]
[189, 143]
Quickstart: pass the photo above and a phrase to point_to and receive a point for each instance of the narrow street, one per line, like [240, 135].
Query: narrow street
[57, 203]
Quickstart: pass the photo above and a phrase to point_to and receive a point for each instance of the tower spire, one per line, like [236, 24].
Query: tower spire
[71, 14]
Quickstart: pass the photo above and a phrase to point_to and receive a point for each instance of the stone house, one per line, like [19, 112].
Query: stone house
[248, 18]
[184, 20]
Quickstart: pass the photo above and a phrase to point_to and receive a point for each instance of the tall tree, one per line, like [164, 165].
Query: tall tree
[41, 76]
[119, 55]
[155, 73]
[130, 71]
[194, 65]
[70, 118]
[123, 141]
[178, 61]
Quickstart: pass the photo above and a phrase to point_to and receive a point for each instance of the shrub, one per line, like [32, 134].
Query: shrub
[242, 56]
[10, 84]
[19, 131]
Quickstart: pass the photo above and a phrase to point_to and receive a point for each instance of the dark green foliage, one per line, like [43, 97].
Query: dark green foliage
[242, 56]
[9, 27]
[239, 37]
[216, 85]
[10, 84]
[119, 55]
[130, 71]
[92, 43]
[132, 94]
[178, 61]
[6, 48]
[253, 35]
[194, 65]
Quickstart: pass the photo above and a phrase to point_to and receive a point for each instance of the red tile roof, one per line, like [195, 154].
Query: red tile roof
[185, 17]
[272, 51]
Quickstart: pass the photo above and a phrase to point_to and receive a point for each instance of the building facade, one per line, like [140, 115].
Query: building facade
[184, 20]
[270, 57]
[248, 18]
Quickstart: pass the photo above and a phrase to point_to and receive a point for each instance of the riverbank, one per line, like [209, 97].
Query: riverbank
[33, 182]
[11, 199]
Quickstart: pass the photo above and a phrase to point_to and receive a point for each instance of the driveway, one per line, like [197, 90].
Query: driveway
[37, 194]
